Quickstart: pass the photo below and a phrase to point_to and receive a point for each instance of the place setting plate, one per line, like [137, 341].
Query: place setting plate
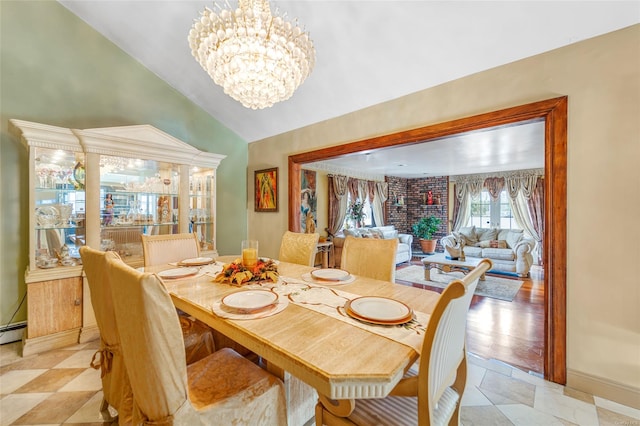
[329, 276]
[176, 273]
[249, 304]
[379, 310]
[196, 261]
[249, 301]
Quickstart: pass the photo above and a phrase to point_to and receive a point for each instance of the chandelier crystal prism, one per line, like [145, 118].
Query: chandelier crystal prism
[258, 58]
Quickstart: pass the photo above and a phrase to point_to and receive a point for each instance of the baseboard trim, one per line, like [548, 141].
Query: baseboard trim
[604, 388]
[36, 345]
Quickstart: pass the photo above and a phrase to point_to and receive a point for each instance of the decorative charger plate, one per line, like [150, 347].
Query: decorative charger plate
[330, 274]
[249, 300]
[379, 310]
[196, 261]
[178, 273]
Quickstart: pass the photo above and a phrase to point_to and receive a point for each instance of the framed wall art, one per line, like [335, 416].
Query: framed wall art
[266, 190]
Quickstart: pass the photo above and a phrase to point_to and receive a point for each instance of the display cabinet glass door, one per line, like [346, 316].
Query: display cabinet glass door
[137, 197]
[59, 200]
[202, 206]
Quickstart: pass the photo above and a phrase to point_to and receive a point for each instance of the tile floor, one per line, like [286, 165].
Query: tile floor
[58, 387]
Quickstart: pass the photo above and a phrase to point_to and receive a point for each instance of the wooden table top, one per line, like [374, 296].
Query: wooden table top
[338, 359]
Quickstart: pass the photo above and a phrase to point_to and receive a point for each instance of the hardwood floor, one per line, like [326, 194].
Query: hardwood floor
[512, 332]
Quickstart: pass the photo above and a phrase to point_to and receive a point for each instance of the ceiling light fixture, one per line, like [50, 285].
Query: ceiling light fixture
[258, 58]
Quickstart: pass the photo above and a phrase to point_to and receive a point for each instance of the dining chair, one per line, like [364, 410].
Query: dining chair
[370, 257]
[299, 248]
[432, 397]
[222, 388]
[116, 388]
[166, 248]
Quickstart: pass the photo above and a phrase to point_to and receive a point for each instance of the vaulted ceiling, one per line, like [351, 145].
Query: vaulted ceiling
[368, 52]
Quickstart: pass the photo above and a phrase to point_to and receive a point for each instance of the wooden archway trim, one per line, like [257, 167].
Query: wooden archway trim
[554, 112]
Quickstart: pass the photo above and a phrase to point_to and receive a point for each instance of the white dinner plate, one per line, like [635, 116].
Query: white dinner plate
[249, 300]
[178, 273]
[330, 274]
[379, 310]
[196, 261]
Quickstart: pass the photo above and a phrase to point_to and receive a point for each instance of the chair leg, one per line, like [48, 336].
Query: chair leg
[104, 411]
[319, 414]
[459, 385]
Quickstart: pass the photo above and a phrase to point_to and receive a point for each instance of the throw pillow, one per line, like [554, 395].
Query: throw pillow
[469, 234]
[486, 234]
[376, 233]
[514, 237]
[498, 244]
[350, 232]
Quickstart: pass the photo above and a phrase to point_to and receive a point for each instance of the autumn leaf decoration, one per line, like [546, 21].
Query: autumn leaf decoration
[236, 273]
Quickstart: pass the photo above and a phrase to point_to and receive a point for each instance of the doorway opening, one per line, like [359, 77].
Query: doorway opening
[554, 113]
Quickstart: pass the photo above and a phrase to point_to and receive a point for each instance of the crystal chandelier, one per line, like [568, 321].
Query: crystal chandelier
[258, 58]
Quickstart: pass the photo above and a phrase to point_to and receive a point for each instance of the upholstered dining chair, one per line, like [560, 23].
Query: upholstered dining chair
[115, 382]
[223, 388]
[299, 248]
[200, 339]
[166, 248]
[370, 257]
[432, 397]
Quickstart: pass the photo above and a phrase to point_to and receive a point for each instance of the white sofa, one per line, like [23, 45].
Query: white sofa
[403, 254]
[510, 250]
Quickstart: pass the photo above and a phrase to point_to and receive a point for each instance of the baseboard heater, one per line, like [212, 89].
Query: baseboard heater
[12, 332]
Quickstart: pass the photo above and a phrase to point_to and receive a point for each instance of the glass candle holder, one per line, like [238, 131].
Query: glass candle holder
[249, 253]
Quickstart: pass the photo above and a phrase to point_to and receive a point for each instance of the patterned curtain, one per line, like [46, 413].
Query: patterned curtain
[535, 202]
[337, 203]
[494, 186]
[381, 191]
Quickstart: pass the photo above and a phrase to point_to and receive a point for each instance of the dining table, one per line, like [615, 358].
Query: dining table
[309, 334]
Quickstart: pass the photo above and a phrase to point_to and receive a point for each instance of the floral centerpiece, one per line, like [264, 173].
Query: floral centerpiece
[236, 272]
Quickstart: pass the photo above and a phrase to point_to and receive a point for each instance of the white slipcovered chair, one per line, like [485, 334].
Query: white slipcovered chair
[369, 257]
[432, 397]
[299, 248]
[223, 388]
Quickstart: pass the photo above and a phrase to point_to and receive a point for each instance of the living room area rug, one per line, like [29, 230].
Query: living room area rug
[494, 287]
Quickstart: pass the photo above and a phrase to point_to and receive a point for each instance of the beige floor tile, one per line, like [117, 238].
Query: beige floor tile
[12, 380]
[90, 412]
[33, 362]
[10, 352]
[520, 414]
[564, 407]
[610, 418]
[473, 397]
[55, 409]
[576, 394]
[634, 413]
[51, 380]
[79, 359]
[501, 389]
[483, 416]
[13, 406]
[88, 380]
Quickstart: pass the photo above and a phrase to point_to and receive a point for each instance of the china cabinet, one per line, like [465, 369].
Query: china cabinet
[104, 188]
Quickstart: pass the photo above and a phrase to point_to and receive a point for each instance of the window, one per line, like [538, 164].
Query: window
[487, 213]
[368, 213]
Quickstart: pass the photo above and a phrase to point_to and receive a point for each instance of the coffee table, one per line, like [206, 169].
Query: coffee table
[440, 262]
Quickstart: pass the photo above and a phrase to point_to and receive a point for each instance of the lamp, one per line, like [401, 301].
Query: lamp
[259, 59]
